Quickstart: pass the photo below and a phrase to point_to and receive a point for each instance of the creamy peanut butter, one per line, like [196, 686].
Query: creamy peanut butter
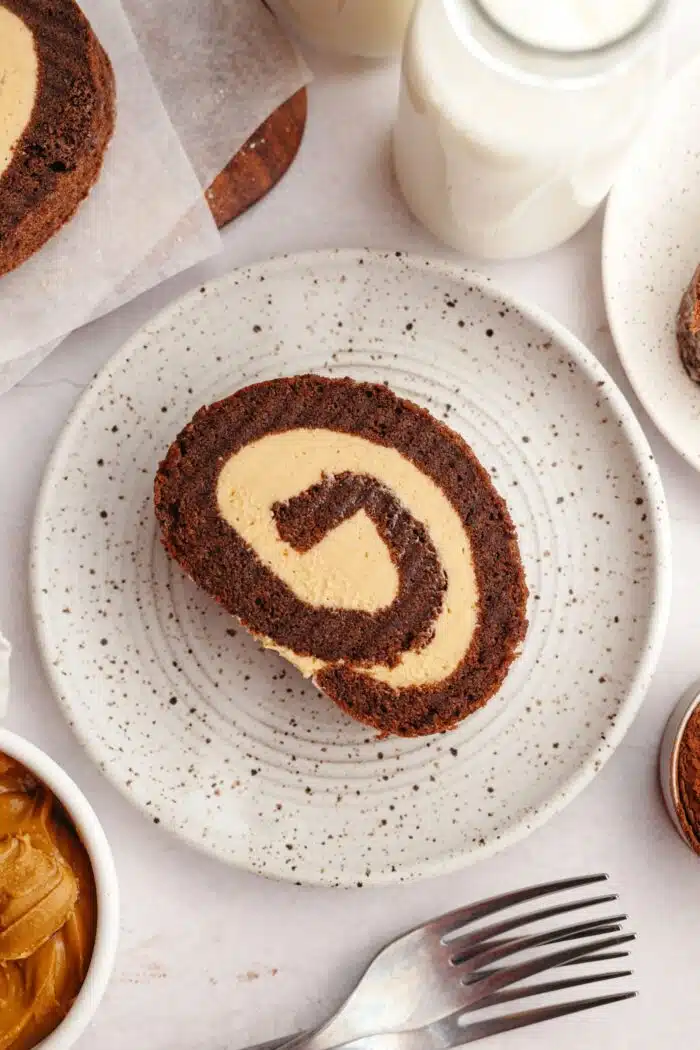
[19, 80]
[351, 567]
[48, 910]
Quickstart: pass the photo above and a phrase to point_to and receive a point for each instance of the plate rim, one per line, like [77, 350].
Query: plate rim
[689, 71]
[660, 544]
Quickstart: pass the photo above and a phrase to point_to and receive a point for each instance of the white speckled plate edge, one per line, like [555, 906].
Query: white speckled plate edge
[659, 552]
[651, 246]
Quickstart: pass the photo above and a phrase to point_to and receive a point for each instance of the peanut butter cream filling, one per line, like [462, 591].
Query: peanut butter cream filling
[19, 78]
[47, 910]
[351, 567]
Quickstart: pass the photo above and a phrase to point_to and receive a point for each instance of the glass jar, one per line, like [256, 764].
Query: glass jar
[514, 115]
[366, 28]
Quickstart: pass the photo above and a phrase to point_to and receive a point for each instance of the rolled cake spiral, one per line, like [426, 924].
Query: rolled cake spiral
[356, 535]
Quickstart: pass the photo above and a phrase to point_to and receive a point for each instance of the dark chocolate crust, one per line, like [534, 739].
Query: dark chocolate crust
[59, 156]
[211, 552]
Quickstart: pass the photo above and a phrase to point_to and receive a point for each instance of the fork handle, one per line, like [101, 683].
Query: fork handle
[326, 1037]
[274, 1044]
[386, 1040]
[298, 1041]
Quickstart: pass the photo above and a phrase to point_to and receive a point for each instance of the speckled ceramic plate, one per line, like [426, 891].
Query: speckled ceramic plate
[227, 745]
[651, 246]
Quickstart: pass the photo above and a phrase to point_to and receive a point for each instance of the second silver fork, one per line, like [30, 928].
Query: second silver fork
[439, 969]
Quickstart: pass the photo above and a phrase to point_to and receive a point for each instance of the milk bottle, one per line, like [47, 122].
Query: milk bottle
[514, 115]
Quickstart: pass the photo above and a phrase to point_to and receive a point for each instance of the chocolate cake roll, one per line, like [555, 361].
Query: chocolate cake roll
[357, 536]
[57, 111]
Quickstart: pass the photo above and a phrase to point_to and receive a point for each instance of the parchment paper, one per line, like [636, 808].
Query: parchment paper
[213, 70]
[221, 67]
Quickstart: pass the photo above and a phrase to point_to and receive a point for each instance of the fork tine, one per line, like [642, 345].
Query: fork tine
[545, 987]
[462, 916]
[496, 928]
[486, 954]
[511, 975]
[481, 1029]
[599, 957]
[596, 927]
[599, 928]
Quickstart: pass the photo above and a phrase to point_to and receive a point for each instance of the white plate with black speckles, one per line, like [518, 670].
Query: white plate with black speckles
[226, 744]
[651, 247]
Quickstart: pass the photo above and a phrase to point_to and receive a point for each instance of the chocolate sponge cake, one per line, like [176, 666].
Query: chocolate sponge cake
[357, 536]
[57, 111]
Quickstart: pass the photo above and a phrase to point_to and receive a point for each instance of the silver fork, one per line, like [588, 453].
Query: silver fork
[451, 1032]
[434, 973]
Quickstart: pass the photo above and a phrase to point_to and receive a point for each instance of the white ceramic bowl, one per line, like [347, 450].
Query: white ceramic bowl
[668, 755]
[95, 842]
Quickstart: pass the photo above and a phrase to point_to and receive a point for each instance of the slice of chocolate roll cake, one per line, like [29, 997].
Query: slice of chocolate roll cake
[57, 111]
[357, 536]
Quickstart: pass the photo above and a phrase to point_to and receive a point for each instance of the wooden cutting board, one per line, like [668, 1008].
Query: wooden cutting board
[260, 163]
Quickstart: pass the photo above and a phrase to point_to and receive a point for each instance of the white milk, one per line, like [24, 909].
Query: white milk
[368, 28]
[567, 25]
[503, 150]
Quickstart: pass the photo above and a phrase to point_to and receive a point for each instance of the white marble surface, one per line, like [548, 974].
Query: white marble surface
[210, 957]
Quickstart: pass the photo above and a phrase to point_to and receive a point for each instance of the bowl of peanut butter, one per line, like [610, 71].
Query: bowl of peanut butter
[59, 903]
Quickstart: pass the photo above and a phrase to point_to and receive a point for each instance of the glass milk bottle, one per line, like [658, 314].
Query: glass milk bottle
[514, 114]
[367, 28]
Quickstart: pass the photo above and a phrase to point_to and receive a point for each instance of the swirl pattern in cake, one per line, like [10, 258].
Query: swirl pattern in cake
[357, 536]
